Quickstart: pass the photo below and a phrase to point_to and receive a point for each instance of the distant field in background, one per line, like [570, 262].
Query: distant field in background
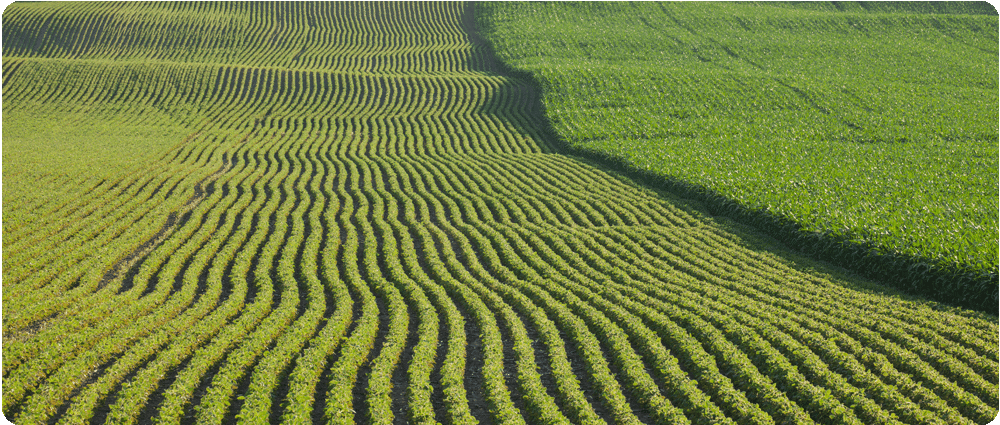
[874, 123]
[351, 212]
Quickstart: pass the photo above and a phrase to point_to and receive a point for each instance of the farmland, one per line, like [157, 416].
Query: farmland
[864, 132]
[353, 213]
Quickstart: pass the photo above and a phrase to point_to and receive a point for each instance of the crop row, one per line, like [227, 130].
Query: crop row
[378, 38]
[448, 195]
[368, 224]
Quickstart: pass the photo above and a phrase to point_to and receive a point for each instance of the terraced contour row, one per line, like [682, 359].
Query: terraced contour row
[366, 224]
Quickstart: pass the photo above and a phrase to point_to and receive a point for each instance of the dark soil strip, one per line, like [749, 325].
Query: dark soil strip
[272, 271]
[632, 397]
[303, 288]
[206, 380]
[27, 332]
[8, 72]
[158, 396]
[179, 277]
[544, 366]
[251, 277]
[474, 381]
[280, 393]
[227, 285]
[236, 400]
[103, 407]
[437, 392]
[39, 40]
[401, 377]
[323, 384]
[362, 415]
[202, 287]
[579, 368]
[132, 260]
[319, 404]
[444, 330]
[174, 188]
[510, 369]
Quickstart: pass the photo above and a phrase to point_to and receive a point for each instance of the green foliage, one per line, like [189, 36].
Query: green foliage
[348, 213]
[875, 124]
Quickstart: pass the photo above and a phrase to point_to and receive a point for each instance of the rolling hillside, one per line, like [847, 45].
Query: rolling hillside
[349, 213]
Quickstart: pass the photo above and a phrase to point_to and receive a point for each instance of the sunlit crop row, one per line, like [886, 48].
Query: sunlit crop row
[379, 231]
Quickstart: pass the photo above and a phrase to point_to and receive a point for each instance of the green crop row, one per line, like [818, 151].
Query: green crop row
[361, 217]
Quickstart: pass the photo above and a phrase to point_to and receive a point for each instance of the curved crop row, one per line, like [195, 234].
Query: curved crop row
[364, 221]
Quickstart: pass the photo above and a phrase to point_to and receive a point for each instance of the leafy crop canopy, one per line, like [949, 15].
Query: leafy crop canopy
[874, 121]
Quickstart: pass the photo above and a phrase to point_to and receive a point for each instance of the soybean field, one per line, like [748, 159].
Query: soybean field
[354, 213]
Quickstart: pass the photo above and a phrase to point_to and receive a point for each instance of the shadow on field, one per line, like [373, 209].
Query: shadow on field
[917, 276]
